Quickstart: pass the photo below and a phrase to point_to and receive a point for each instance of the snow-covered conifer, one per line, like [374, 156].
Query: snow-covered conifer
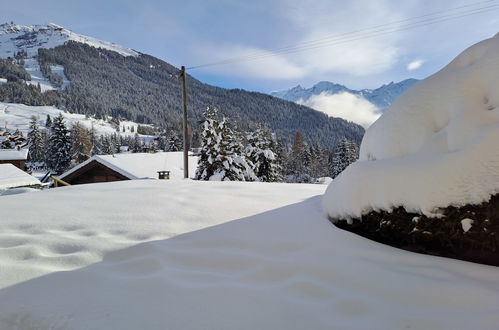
[96, 146]
[48, 122]
[260, 154]
[210, 145]
[59, 148]
[345, 153]
[107, 145]
[221, 156]
[235, 165]
[136, 145]
[173, 142]
[35, 141]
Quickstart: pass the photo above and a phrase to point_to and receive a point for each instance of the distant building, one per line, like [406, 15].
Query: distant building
[129, 166]
[13, 177]
[15, 157]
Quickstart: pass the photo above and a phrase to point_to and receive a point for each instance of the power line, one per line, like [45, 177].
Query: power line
[335, 36]
[338, 40]
[364, 33]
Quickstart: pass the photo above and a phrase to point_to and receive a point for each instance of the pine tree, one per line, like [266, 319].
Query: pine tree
[210, 144]
[107, 145]
[81, 139]
[221, 156]
[35, 141]
[136, 145]
[173, 143]
[236, 166]
[260, 154]
[345, 153]
[48, 122]
[319, 163]
[59, 148]
[161, 142]
[94, 139]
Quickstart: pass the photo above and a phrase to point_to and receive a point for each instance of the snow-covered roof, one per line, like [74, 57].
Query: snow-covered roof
[142, 165]
[12, 177]
[13, 154]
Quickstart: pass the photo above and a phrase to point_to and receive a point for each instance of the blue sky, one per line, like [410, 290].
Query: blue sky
[192, 32]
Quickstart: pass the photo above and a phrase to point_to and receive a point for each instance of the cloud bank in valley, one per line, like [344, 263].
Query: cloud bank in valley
[344, 105]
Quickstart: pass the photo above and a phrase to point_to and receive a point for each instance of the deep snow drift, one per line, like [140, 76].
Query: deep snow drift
[436, 146]
[278, 265]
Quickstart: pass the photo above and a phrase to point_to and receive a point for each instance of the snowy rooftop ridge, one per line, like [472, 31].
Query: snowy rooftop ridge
[13, 177]
[136, 166]
[15, 38]
[13, 154]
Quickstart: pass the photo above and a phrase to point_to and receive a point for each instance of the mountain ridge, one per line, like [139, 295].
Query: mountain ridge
[30, 38]
[381, 97]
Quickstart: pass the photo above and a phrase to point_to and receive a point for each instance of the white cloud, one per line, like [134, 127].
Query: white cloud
[344, 105]
[416, 64]
[275, 67]
[307, 21]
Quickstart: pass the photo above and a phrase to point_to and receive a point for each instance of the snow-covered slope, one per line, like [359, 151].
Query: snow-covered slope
[15, 38]
[18, 116]
[380, 97]
[436, 146]
[252, 256]
[33, 68]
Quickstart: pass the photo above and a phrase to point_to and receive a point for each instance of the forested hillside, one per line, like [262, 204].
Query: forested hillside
[147, 90]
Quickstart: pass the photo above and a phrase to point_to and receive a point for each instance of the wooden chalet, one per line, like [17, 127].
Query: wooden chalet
[128, 166]
[16, 157]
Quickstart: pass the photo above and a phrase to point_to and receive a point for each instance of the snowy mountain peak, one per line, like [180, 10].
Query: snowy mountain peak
[15, 38]
[381, 97]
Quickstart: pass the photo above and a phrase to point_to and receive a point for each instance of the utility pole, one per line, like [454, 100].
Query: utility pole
[186, 144]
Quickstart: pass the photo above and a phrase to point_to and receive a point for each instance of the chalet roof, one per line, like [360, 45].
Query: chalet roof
[13, 177]
[13, 154]
[142, 165]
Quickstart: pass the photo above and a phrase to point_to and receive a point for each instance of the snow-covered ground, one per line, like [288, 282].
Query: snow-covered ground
[18, 116]
[183, 254]
[436, 146]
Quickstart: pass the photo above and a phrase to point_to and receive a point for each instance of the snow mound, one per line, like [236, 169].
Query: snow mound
[436, 146]
[15, 38]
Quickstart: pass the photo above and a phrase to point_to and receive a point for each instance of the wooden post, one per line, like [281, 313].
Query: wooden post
[186, 144]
